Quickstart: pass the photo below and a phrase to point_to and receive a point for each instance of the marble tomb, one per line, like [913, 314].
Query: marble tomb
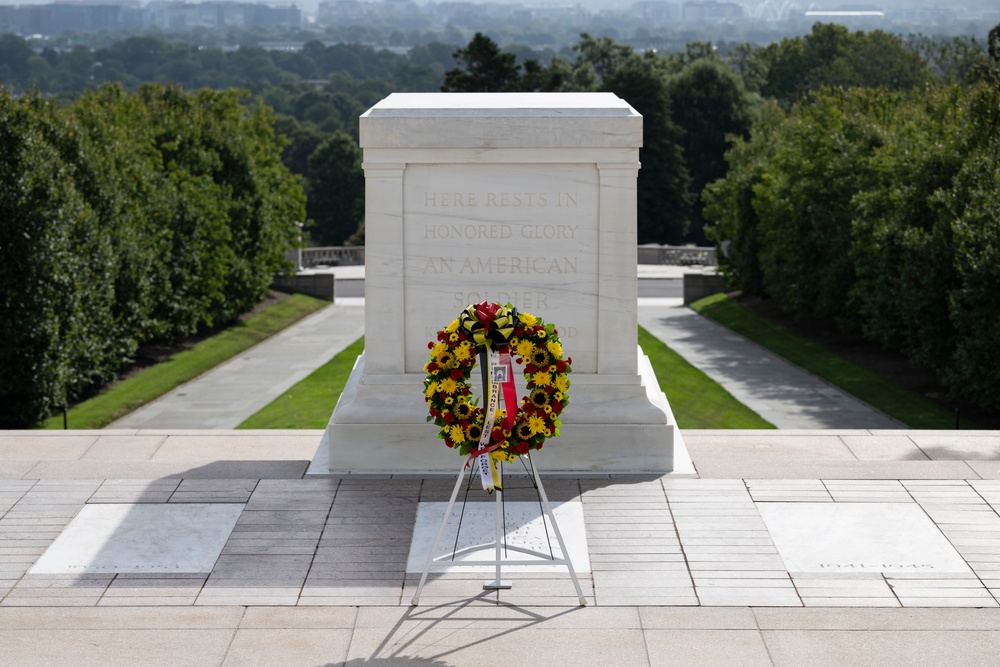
[522, 197]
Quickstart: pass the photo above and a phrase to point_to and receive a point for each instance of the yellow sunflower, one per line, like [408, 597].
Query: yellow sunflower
[537, 424]
[452, 327]
[555, 347]
[448, 386]
[562, 382]
[463, 351]
[524, 348]
[527, 319]
[542, 378]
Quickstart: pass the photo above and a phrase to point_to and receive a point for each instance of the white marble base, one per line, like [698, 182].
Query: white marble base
[524, 529]
[843, 538]
[161, 538]
[612, 424]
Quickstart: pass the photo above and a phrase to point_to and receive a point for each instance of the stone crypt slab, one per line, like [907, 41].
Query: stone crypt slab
[153, 538]
[522, 197]
[841, 538]
[524, 529]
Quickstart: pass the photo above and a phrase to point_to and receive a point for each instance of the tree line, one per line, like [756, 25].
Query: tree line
[879, 209]
[129, 218]
[691, 99]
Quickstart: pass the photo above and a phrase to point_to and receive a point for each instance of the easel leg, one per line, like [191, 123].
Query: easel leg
[498, 583]
[437, 539]
[555, 528]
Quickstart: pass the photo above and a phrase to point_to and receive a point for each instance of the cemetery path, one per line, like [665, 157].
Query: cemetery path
[228, 394]
[777, 390]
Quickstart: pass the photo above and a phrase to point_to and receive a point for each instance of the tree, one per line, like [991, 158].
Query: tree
[712, 106]
[40, 289]
[832, 56]
[336, 190]
[484, 68]
[664, 184]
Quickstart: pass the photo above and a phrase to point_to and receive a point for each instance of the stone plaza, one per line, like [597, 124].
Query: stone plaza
[719, 567]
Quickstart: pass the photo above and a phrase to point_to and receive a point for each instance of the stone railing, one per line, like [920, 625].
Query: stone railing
[677, 255]
[648, 254]
[333, 256]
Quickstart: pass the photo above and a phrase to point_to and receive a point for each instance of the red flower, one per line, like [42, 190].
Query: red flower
[449, 417]
[556, 406]
[522, 447]
[497, 434]
[432, 367]
[448, 442]
[457, 374]
[560, 366]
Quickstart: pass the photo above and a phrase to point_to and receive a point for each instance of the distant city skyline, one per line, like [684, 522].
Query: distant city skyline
[28, 18]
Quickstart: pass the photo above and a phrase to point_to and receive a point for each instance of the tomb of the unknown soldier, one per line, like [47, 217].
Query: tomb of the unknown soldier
[522, 198]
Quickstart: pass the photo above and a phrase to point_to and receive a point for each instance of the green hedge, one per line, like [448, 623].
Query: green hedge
[129, 218]
[882, 210]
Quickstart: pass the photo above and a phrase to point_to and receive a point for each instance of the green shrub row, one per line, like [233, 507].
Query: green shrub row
[127, 218]
[882, 210]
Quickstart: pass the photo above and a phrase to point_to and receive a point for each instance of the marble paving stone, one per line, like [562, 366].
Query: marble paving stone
[715, 618]
[141, 538]
[709, 648]
[125, 447]
[436, 647]
[885, 619]
[871, 602]
[753, 467]
[753, 597]
[15, 447]
[185, 601]
[115, 647]
[929, 648]
[214, 490]
[134, 491]
[849, 537]
[300, 646]
[179, 468]
[524, 529]
[884, 448]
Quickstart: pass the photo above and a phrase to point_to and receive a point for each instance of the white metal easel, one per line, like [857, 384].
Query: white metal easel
[498, 544]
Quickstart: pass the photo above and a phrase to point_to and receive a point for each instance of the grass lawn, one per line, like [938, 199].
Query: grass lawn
[310, 402]
[151, 383]
[696, 399]
[901, 404]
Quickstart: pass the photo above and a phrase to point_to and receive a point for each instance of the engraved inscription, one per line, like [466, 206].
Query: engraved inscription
[500, 199]
[445, 232]
[521, 265]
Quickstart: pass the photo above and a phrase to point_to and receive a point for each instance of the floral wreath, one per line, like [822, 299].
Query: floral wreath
[532, 343]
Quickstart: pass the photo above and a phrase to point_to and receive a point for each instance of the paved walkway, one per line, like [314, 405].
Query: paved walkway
[781, 393]
[777, 390]
[789, 548]
[230, 393]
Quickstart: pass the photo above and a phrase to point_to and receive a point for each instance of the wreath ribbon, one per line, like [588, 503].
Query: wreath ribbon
[489, 324]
